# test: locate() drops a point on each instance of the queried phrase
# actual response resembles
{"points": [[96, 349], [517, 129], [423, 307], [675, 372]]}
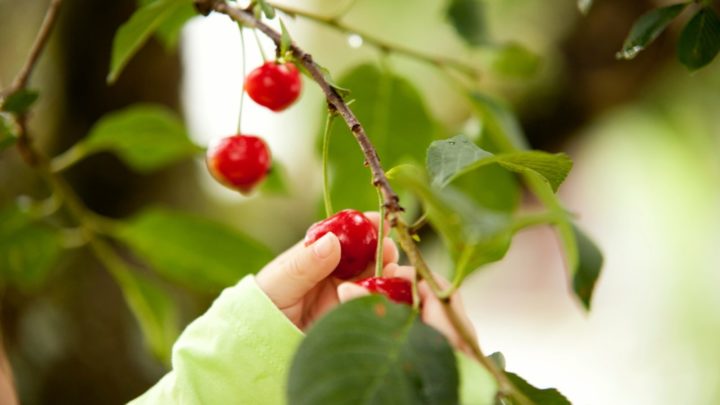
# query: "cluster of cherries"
{"points": [[241, 162]]}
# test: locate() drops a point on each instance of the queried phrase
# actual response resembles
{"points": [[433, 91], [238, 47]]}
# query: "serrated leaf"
{"points": [[28, 249], [468, 19], [394, 359], [514, 60], [7, 136], [152, 307], [133, 34], [584, 5], [473, 234], [647, 28], [590, 262], [285, 40], [451, 158], [276, 182], [553, 168], [19, 101], [147, 137], [397, 123], [699, 41], [194, 251], [547, 396]]}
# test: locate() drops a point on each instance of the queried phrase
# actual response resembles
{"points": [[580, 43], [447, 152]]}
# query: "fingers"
{"points": [[288, 278], [394, 270], [348, 291]]}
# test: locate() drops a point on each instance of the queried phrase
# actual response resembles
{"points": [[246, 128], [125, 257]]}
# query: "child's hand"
{"points": [[431, 310], [297, 281]]}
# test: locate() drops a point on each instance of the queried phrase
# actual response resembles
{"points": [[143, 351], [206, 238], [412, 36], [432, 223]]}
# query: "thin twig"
{"points": [[23, 75], [24, 142], [337, 24]]}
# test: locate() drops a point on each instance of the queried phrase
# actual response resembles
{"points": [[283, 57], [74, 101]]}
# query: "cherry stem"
{"points": [[381, 235], [242, 82], [260, 47], [325, 158]]}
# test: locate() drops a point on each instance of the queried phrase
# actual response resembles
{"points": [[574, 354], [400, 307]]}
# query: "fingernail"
{"points": [[324, 246]]}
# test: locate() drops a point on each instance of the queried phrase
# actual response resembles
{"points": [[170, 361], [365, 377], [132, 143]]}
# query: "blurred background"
{"points": [[644, 135]]}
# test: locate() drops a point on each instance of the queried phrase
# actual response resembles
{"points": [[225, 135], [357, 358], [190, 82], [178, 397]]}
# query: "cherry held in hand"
{"points": [[274, 85], [396, 288], [358, 241], [240, 162]]}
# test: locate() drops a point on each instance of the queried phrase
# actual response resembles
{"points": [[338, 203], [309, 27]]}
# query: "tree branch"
{"points": [[24, 142], [391, 202], [43, 34]]}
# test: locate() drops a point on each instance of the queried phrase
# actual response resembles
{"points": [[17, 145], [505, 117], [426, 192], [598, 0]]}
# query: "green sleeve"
{"points": [[239, 352]]}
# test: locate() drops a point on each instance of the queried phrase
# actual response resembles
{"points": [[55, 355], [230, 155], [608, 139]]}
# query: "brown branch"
{"points": [[336, 102], [43, 34], [24, 142]]}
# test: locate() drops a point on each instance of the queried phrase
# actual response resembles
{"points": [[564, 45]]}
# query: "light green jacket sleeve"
{"points": [[239, 352]]}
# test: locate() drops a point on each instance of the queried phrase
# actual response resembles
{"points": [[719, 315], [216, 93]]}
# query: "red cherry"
{"points": [[396, 288], [274, 85], [239, 162], [358, 241]]}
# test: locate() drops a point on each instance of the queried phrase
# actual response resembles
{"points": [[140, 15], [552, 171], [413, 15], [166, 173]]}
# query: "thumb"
{"points": [[287, 279], [349, 291]]}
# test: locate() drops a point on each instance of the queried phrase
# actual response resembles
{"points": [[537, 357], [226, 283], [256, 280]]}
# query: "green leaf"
{"points": [[548, 396], [19, 101], [513, 60], [700, 39], [28, 249], [503, 130], [371, 351], [474, 235], [647, 28], [133, 34], [584, 5], [590, 261], [168, 33], [153, 308], [266, 8], [341, 91], [196, 252], [285, 40], [397, 123], [145, 136], [451, 158], [500, 124], [468, 19], [7, 135], [276, 182]]}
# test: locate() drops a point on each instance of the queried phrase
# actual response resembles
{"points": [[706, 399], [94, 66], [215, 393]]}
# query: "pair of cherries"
{"points": [[358, 242], [240, 161]]}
